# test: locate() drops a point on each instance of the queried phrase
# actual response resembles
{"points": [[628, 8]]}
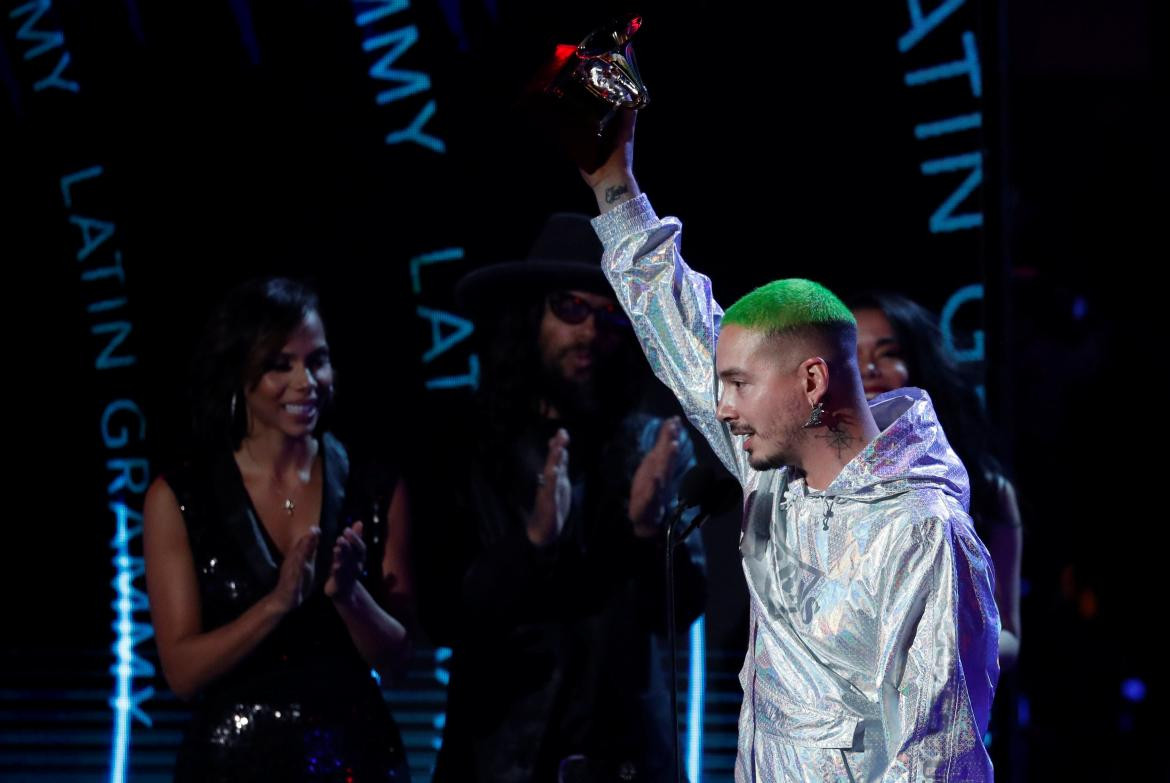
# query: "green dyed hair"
{"points": [[790, 306]]}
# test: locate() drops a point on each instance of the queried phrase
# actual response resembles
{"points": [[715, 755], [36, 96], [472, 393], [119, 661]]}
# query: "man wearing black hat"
{"points": [[555, 597]]}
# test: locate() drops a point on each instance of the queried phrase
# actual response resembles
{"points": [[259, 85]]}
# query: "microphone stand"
{"points": [[671, 631]]}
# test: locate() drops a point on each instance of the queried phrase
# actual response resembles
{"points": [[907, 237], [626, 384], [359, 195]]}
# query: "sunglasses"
{"points": [[574, 310]]}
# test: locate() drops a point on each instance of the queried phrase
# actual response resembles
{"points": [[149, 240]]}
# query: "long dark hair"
{"points": [[253, 322], [956, 403], [514, 380]]}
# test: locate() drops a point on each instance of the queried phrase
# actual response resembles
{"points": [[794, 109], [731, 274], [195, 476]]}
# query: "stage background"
{"points": [[998, 161]]}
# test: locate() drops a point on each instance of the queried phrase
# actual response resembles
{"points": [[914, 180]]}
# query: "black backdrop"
{"points": [[197, 147]]}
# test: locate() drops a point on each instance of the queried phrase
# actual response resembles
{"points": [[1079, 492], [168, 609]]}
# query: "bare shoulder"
{"points": [[160, 498], [162, 515]]}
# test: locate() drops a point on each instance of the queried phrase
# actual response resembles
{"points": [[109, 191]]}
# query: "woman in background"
{"points": [[269, 608]]}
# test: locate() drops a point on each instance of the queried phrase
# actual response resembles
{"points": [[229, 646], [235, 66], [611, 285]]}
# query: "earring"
{"points": [[232, 407], [814, 418]]}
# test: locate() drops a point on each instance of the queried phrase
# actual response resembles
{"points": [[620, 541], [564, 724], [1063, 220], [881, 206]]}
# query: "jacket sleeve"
{"points": [[674, 315], [937, 648]]}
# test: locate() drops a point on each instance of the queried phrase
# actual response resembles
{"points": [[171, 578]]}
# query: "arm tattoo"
{"points": [[615, 193]]}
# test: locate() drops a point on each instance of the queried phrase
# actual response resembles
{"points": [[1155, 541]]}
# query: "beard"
{"points": [[774, 461], [785, 448], [572, 398], [762, 464], [607, 392]]}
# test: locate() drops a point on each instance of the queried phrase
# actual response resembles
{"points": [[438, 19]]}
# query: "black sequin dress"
{"points": [[303, 706]]}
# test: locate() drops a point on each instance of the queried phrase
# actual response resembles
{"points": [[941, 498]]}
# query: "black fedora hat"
{"points": [[566, 256]]}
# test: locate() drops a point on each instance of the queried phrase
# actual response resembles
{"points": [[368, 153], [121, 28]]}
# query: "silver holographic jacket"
{"points": [[874, 630]]}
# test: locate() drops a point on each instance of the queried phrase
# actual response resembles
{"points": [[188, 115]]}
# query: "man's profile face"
{"points": [[761, 397]]}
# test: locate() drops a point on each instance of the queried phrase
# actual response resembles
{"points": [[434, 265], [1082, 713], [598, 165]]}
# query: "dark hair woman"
{"points": [[269, 607]]}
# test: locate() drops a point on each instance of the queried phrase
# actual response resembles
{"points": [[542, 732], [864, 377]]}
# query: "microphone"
{"points": [[709, 489]]}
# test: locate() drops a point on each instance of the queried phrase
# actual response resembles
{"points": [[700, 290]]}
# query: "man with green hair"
{"points": [[873, 646]]}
